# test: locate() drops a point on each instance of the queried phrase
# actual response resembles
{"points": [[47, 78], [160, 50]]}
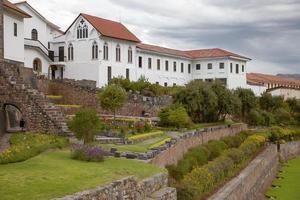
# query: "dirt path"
{"points": [[4, 142]]}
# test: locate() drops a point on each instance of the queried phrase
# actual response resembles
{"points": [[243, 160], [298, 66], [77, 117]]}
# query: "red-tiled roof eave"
{"points": [[14, 8], [271, 79]]}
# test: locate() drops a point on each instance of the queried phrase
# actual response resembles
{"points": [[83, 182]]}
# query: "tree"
{"points": [[112, 98], [86, 124], [269, 103], [174, 116], [247, 98]]}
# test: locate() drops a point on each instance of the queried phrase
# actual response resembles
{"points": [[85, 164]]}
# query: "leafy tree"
{"points": [[86, 124], [271, 103], [112, 98], [247, 98], [174, 116]]}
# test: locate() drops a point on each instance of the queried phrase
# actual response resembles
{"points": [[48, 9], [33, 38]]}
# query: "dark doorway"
{"points": [[2, 122], [61, 54], [12, 118]]}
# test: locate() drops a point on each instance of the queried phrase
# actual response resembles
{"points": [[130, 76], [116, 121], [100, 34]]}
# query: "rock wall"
{"points": [[85, 93], [39, 114], [129, 189], [177, 149], [254, 180], [1, 33]]}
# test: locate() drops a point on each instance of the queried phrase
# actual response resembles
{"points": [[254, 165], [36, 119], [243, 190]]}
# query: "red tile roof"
{"points": [[14, 8], [201, 53], [110, 28], [271, 79]]}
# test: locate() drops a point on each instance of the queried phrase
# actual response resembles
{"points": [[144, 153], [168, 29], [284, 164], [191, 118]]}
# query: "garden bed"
{"points": [[54, 174]]}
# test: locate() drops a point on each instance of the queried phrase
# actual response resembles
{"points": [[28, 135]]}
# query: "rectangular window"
{"points": [[158, 64], [118, 54], [129, 55], [157, 83], [140, 62], [166, 84], [231, 68], [222, 65], [182, 67], [127, 74], [174, 84], [108, 74], [105, 52], [15, 29], [167, 65], [243, 68], [189, 68], [149, 63], [209, 80], [237, 68], [209, 66], [174, 67], [198, 67]]}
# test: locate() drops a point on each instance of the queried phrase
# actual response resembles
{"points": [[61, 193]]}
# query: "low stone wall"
{"points": [[129, 189], [289, 150], [174, 150], [254, 180]]}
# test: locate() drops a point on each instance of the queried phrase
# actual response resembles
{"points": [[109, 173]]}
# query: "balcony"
{"points": [[59, 60], [40, 46]]}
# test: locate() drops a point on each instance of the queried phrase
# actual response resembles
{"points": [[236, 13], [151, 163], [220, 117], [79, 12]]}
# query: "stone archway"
{"points": [[12, 118], [37, 66]]}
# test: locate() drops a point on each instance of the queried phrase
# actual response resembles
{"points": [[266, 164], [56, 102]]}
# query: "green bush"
{"points": [[145, 136], [282, 116], [255, 117], [27, 145], [174, 116], [215, 147]]}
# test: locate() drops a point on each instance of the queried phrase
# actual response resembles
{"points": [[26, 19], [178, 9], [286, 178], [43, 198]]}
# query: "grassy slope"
{"points": [[54, 174], [138, 147], [290, 184]]}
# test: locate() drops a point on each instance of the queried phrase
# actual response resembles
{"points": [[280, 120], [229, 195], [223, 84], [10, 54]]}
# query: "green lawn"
{"points": [[139, 147], [54, 174], [289, 185], [206, 125]]}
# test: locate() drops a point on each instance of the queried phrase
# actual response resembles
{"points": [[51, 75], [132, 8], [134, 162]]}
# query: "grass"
{"points": [[145, 136], [54, 174], [54, 97], [206, 125], [288, 185], [139, 147], [69, 106]]}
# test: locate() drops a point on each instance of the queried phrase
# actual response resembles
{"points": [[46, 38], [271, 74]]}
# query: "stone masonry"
{"points": [[153, 188], [39, 114], [1, 33]]}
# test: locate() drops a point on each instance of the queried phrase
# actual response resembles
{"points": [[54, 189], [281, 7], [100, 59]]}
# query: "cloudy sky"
{"points": [[268, 31]]}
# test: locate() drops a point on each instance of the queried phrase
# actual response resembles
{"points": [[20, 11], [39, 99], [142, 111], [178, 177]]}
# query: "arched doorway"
{"points": [[13, 118], [37, 65]]}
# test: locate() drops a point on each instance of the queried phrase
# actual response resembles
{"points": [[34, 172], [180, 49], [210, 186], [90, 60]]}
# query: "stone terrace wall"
{"points": [[195, 138], [253, 181], [85, 93], [256, 177], [129, 189]]}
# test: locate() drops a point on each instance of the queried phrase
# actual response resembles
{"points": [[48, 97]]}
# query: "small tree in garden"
{"points": [[86, 124], [174, 115], [112, 98]]}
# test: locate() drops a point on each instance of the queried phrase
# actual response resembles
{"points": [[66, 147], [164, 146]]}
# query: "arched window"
{"points": [[34, 34], [95, 51], [129, 55], [82, 30], [105, 51], [70, 52], [118, 53], [37, 65]]}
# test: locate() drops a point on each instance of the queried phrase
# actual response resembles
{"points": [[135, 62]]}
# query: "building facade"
{"points": [[98, 49]]}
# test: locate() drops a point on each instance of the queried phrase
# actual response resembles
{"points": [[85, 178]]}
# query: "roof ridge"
{"points": [[110, 20]]}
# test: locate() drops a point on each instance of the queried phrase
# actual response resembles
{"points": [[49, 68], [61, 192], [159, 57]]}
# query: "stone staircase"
{"points": [[40, 114]]}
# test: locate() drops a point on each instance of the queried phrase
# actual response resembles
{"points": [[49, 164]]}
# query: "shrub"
{"points": [[235, 141], [215, 148], [174, 116], [282, 116], [255, 117], [86, 124], [88, 153], [27, 145], [236, 155]]}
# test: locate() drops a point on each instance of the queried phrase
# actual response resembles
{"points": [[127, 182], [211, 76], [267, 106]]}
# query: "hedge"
{"points": [[204, 179], [202, 154], [145, 136]]}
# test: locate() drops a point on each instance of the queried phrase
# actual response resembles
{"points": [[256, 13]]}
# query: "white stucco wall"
{"points": [[13, 45], [257, 89], [31, 54], [286, 93]]}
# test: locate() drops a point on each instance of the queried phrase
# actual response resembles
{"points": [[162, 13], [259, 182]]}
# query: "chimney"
{"points": [[1, 32]]}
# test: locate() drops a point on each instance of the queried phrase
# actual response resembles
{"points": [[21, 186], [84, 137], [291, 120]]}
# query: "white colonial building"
{"points": [[97, 49]]}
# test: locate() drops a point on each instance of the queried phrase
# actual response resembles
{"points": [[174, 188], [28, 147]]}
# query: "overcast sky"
{"points": [[268, 31]]}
